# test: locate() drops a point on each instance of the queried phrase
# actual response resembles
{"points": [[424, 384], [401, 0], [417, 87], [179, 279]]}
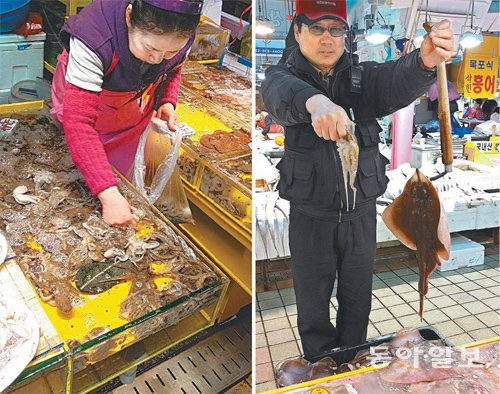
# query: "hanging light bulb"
{"points": [[263, 27], [378, 34], [470, 39]]}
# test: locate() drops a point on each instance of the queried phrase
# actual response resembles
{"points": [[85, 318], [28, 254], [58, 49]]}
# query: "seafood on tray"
{"points": [[219, 189], [68, 252], [19, 337], [299, 370], [240, 168], [412, 365], [225, 142], [221, 86]]}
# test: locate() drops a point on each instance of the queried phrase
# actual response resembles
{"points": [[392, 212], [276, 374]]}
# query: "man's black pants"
{"points": [[321, 249]]}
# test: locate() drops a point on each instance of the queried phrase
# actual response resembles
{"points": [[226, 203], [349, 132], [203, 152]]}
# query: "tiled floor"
{"points": [[463, 305]]}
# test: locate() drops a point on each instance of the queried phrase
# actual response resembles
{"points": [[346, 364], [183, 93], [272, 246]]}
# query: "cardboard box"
{"points": [[463, 253]]}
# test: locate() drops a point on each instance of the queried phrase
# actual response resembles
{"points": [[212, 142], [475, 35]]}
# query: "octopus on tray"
{"points": [[66, 250]]}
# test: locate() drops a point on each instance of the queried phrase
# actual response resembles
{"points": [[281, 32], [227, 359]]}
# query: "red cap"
{"points": [[316, 10]]}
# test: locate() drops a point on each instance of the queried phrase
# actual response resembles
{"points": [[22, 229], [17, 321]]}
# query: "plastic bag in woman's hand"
{"points": [[155, 173]]}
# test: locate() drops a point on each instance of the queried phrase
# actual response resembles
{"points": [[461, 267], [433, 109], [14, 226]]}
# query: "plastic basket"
{"points": [[12, 14]]}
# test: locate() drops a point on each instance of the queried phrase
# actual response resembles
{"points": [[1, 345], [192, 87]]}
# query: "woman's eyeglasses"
{"points": [[318, 30]]}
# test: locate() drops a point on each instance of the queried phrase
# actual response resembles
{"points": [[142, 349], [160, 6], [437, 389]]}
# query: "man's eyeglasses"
{"points": [[335, 31]]}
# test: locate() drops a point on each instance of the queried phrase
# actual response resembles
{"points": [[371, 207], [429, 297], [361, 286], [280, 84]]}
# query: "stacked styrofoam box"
{"points": [[488, 214], [463, 253], [424, 154], [20, 59], [462, 220]]}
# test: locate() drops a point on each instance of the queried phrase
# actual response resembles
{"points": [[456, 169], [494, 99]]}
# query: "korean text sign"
{"points": [[480, 76]]}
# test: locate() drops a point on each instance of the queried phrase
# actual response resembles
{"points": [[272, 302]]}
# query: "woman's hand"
{"points": [[115, 208], [167, 113]]}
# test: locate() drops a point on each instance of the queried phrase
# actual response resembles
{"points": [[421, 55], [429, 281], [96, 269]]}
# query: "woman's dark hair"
{"points": [[478, 101], [489, 107], [158, 21]]}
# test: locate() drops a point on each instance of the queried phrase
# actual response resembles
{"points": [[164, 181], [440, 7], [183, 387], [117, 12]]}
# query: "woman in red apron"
{"points": [[121, 65]]}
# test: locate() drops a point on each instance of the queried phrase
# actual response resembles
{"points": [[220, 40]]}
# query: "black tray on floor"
{"points": [[347, 353]]}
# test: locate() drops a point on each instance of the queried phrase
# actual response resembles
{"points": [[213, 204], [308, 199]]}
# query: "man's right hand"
{"points": [[115, 208], [329, 120]]}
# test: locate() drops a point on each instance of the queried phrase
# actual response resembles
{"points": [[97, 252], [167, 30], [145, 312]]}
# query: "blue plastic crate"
{"points": [[13, 13]]}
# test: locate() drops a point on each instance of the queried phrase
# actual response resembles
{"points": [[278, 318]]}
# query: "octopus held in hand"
{"points": [[349, 151]]}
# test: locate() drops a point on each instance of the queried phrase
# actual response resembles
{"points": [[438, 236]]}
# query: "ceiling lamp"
{"points": [[263, 27], [470, 39], [378, 34]]}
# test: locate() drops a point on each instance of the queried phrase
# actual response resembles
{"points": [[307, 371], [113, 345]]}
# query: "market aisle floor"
{"points": [[463, 305]]}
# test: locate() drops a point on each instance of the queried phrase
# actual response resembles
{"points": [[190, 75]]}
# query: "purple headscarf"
{"points": [[181, 6]]}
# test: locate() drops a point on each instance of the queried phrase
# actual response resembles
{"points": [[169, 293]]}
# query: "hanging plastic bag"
{"points": [[156, 174]]}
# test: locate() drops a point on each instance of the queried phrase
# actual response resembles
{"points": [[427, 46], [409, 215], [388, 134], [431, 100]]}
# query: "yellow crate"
{"points": [[188, 164], [234, 197], [230, 206]]}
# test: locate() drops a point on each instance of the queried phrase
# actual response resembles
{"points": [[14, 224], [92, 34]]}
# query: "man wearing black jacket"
{"points": [[315, 95]]}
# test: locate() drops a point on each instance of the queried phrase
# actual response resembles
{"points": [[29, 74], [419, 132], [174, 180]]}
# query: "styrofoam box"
{"points": [[20, 58], [488, 215], [4, 96], [463, 253], [462, 220], [424, 154]]}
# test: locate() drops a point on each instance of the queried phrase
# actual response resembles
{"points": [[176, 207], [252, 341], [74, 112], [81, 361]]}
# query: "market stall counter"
{"points": [[216, 169], [115, 297]]}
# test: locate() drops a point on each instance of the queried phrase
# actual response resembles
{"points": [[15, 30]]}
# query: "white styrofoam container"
{"points": [[4, 96], [421, 155], [488, 215], [463, 253], [462, 220], [20, 58]]}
